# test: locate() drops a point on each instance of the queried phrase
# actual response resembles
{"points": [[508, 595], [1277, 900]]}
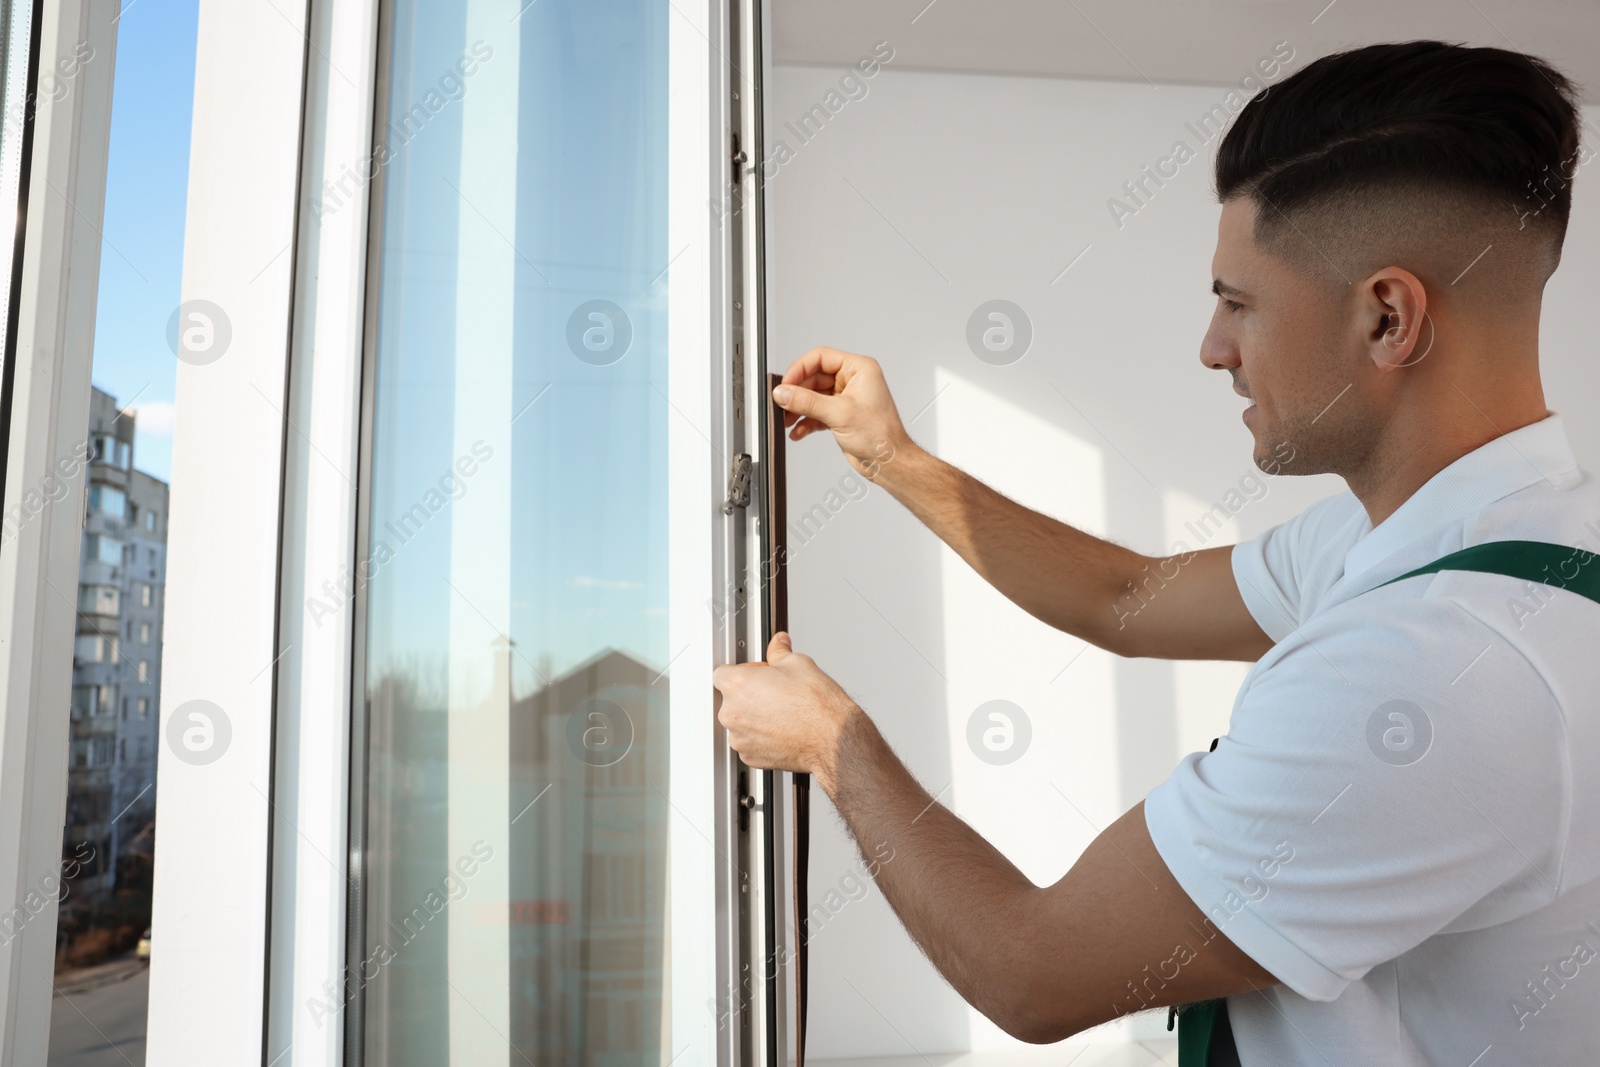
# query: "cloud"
{"points": [[153, 417], [583, 581]]}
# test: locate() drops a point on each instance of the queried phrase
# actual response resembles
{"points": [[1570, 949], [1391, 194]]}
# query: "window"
{"points": [[109, 450], [95, 648], [144, 633], [144, 595], [108, 500], [151, 553], [144, 707], [144, 670], [103, 549], [122, 750], [90, 700], [124, 708], [567, 696], [149, 520], [91, 753], [99, 599]]}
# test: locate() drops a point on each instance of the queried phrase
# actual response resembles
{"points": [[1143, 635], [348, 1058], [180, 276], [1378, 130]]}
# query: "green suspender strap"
{"points": [[1561, 566], [1205, 1038], [1201, 1041]]}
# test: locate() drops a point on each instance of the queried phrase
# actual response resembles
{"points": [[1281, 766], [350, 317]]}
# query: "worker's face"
{"points": [[1281, 334]]}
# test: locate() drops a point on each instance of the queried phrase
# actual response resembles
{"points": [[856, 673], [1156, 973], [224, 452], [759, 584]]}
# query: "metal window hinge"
{"points": [[738, 484]]}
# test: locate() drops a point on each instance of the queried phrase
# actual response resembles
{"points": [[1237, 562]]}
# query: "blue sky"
{"points": [[141, 259], [586, 467], [594, 579]]}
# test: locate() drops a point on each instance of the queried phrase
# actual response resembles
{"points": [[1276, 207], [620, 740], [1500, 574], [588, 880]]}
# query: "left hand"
{"points": [[784, 714]]}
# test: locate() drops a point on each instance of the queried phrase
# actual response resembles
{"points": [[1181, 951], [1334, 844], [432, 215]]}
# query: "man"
{"points": [[1391, 857]]}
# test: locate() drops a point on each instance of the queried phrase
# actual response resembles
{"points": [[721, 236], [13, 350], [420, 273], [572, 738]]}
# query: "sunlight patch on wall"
{"points": [[1049, 750]]}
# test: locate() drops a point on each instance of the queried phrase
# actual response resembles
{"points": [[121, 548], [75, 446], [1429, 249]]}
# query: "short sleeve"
{"points": [[1277, 570], [1368, 795]]}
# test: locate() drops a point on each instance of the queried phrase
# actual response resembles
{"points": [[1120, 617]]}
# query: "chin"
{"points": [[1260, 451]]}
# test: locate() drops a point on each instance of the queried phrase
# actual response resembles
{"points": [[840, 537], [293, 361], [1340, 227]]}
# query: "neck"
{"points": [[1447, 418]]}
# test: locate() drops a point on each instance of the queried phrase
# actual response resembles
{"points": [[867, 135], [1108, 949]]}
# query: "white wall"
{"points": [[915, 203]]}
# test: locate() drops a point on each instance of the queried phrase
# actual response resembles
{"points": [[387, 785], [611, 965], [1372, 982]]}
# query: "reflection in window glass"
{"points": [[516, 776]]}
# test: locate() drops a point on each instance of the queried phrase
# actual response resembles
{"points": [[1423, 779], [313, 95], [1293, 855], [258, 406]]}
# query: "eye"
{"points": [[1231, 305]]}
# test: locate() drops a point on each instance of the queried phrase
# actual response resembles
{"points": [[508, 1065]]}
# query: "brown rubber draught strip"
{"points": [[778, 620]]}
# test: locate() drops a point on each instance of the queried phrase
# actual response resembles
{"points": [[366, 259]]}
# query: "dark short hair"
{"points": [[1494, 125]]}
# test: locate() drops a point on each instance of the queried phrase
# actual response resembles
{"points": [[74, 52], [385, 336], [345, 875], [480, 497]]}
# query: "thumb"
{"points": [[801, 401], [779, 648]]}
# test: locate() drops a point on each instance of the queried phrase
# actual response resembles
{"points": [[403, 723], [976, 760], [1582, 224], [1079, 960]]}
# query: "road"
{"points": [[103, 1025]]}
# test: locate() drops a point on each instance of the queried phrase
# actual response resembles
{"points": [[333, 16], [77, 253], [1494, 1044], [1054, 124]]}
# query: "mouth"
{"points": [[1249, 410]]}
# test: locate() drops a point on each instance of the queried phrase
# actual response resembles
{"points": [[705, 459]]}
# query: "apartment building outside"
{"points": [[116, 675]]}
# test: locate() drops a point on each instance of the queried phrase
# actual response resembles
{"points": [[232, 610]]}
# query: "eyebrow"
{"points": [[1222, 288]]}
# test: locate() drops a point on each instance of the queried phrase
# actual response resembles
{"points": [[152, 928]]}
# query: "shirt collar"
{"points": [[1536, 452]]}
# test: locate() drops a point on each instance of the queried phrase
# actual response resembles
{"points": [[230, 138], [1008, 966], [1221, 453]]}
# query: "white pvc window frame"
{"points": [[209, 923], [253, 866], [53, 318]]}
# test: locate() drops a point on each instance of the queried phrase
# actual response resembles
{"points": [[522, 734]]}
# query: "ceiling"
{"points": [[1203, 42]]}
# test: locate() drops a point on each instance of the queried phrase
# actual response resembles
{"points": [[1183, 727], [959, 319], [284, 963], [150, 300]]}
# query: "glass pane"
{"points": [[515, 852], [16, 27]]}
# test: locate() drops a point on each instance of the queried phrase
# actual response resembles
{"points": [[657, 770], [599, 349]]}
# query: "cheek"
{"points": [[1246, 350], [1267, 355]]}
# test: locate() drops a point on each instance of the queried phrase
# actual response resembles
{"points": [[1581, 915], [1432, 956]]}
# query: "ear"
{"points": [[1394, 317]]}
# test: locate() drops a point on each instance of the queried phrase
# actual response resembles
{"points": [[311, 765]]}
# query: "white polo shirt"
{"points": [[1402, 823]]}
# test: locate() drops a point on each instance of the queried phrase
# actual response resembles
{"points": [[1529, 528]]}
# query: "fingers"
{"points": [[779, 648], [819, 361], [804, 427], [822, 384], [819, 383], [728, 676], [798, 400]]}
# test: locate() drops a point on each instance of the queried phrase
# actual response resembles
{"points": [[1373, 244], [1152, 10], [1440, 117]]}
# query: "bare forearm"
{"points": [[1074, 581], [1042, 962], [966, 906], [1069, 579]]}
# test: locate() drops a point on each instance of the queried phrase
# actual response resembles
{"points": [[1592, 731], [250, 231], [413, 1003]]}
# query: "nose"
{"points": [[1218, 350]]}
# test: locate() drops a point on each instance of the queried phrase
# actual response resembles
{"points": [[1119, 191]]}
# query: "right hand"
{"points": [[847, 394]]}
